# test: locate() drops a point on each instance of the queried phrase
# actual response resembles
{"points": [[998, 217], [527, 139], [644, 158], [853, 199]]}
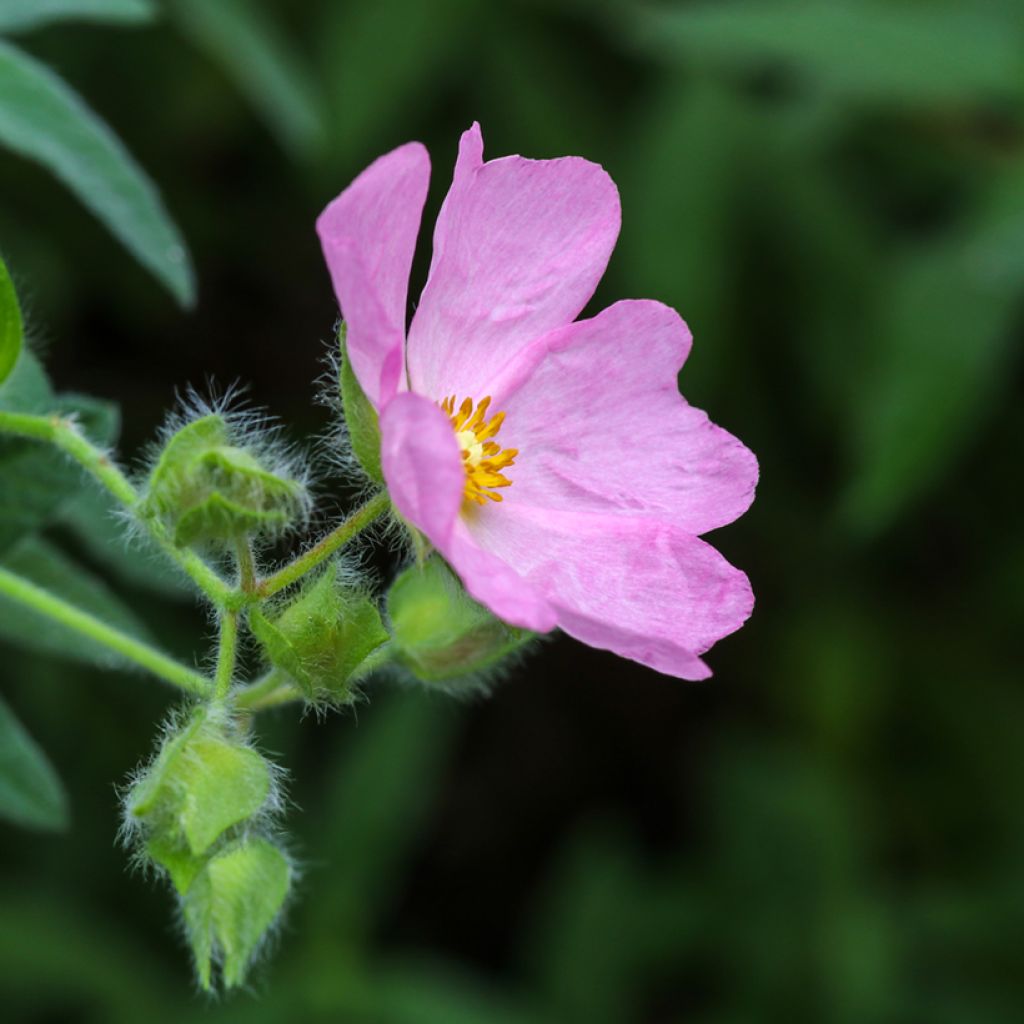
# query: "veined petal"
{"points": [[519, 248], [636, 586], [596, 415], [368, 234]]}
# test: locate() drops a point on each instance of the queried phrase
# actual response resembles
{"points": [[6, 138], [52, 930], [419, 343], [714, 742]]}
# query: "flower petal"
{"points": [[595, 412], [519, 248], [368, 234], [423, 468], [642, 588]]}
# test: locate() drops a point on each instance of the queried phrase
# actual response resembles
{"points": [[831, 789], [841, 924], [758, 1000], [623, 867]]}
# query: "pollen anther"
{"points": [[483, 458]]}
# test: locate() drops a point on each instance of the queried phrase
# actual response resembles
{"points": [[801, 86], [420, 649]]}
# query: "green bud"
{"points": [[324, 638], [360, 417], [202, 783], [231, 905], [207, 489], [440, 633]]}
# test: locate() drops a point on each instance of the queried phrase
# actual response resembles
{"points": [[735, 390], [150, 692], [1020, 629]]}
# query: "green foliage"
{"points": [[36, 481], [360, 416], [207, 489], [440, 633], [42, 563], [253, 51], [231, 905], [30, 791], [902, 52], [43, 119], [25, 15], [324, 639], [10, 324]]}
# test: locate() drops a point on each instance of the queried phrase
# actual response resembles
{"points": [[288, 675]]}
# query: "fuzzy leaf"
{"points": [[25, 15], [31, 794], [10, 324], [45, 565], [247, 43], [360, 417], [323, 638], [231, 905], [43, 119], [439, 631]]}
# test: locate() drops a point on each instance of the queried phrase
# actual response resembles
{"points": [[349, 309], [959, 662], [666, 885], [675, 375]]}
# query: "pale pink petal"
{"points": [[595, 412], [423, 469], [642, 588], [368, 234], [520, 247]]}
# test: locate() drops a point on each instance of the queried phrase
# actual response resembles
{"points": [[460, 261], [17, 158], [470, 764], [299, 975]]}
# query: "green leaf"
{"points": [[43, 119], [885, 53], [232, 904], [48, 567], [253, 51], [440, 632], [10, 324], [323, 638], [360, 417], [31, 794], [25, 15]]}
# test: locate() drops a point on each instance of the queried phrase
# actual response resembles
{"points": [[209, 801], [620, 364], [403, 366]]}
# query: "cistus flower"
{"points": [[552, 462]]}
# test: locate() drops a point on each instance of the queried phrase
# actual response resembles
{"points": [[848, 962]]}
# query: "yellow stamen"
{"points": [[483, 458]]}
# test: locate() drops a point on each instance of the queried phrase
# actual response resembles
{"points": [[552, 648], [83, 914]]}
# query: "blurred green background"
{"points": [[830, 830]]}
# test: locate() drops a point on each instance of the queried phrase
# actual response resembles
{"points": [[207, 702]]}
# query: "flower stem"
{"points": [[310, 559], [59, 610], [63, 433], [226, 654]]}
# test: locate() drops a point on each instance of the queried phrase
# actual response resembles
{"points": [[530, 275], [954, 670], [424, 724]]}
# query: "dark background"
{"points": [[830, 829]]}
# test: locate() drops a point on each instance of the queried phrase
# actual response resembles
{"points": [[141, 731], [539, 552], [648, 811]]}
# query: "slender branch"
{"points": [[310, 559], [64, 434], [137, 651], [226, 654]]}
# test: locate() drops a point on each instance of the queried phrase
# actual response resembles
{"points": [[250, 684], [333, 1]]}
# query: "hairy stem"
{"points": [[64, 434], [273, 689], [246, 565], [137, 651], [226, 653], [322, 550]]}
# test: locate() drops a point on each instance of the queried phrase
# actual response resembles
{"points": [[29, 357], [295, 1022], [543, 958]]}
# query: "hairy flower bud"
{"points": [[324, 639], [440, 633], [198, 811], [207, 488]]}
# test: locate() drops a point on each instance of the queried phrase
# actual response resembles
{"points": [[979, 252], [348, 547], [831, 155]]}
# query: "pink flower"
{"points": [[580, 503]]}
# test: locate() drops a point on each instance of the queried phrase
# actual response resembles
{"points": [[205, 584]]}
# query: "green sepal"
{"points": [[202, 783], [440, 633], [231, 904], [177, 860], [208, 489], [360, 416], [324, 638]]}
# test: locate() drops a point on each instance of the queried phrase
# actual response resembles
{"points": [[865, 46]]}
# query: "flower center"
{"points": [[483, 458]]}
